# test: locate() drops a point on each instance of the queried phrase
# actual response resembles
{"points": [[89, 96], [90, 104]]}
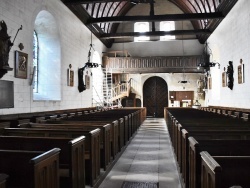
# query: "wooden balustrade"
{"points": [[153, 64]]}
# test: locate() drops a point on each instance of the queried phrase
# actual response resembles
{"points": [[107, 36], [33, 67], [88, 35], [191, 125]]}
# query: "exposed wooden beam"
{"points": [[86, 1], [128, 40], [102, 1], [156, 33], [155, 18]]}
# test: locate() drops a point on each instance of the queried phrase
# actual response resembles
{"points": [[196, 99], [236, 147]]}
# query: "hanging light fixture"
{"points": [[184, 80], [90, 64], [207, 52], [205, 60]]}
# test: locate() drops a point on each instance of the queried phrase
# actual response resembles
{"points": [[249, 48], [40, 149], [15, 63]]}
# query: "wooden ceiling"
{"points": [[103, 17]]}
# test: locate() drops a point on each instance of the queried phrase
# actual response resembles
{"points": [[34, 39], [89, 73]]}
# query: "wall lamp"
{"points": [[208, 65]]}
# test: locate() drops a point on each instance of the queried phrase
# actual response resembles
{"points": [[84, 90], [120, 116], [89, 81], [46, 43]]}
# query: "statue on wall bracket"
{"points": [[230, 75], [5, 46]]}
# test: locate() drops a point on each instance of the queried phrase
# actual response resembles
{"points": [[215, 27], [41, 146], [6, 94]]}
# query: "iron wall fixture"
{"points": [[208, 65]]}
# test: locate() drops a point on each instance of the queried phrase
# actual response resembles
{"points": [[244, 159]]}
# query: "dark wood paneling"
{"points": [[182, 95]]}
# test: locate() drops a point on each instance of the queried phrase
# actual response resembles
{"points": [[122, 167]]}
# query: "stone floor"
{"points": [[147, 162]]}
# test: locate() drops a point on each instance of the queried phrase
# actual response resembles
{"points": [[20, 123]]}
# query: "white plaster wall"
{"points": [[74, 38], [160, 48], [230, 42]]}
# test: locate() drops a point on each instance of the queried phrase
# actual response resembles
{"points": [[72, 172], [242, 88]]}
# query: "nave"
{"points": [[148, 160]]}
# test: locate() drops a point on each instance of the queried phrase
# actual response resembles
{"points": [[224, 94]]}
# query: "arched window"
{"points": [[167, 26], [141, 27], [35, 61], [47, 54]]}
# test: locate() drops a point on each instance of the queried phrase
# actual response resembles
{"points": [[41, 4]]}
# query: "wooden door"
{"points": [[155, 96]]}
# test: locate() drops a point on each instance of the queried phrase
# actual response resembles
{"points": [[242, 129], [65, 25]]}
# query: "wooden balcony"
{"points": [[173, 64]]}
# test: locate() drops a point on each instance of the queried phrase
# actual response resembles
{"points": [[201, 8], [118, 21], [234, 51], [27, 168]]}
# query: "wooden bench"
{"points": [[14, 122], [203, 123], [207, 125], [224, 171], [135, 116], [105, 133], [4, 125], [120, 127], [202, 127], [71, 160], [31, 169], [215, 148], [236, 114], [92, 145], [208, 135], [245, 116], [114, 129], [126, 125], [3, 179]]}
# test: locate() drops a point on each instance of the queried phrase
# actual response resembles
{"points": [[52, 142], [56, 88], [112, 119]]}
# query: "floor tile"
{"points": [[148, 158]]}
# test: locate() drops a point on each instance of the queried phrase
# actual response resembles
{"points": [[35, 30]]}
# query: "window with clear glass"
{"points": [[167, 26], [46, 58], [35, 62], [141, 27]]}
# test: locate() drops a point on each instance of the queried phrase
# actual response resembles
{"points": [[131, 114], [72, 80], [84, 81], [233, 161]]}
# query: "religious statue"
{"points": [[5, 46], [230, 75]]}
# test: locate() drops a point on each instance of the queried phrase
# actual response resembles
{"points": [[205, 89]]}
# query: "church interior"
{"points": [[131, 93]]}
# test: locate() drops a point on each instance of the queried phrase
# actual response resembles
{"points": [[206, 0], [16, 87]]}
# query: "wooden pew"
{"points": [[245, 116], [115, 129], [135, 117], [3, 179], [105, 133], [201, 126], [71, 159], [125, 129], [31, 169], [224, 171], [203, 121], [209, 135], [92, 145], [118, 128], [215, 148], [236, 114], [14, 122], [4, 125]]}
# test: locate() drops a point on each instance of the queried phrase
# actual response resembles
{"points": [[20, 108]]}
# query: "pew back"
{"points": [[31, 169], [92, 145], [71, 158], [220, 171]]}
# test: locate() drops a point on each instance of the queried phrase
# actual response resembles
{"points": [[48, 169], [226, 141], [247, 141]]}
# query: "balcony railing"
{"points": [[173, 64]]}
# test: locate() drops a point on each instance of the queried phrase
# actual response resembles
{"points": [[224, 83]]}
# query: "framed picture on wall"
{"points": [[241, 73], [209, 83], [224, 79], [21, 64], [87, 81]]}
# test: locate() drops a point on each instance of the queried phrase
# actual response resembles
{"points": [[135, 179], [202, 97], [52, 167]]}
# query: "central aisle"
{"points": [[148, 160]]}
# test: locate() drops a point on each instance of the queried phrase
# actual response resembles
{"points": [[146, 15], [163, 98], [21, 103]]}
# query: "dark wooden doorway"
{"points": [[155, 96]]}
